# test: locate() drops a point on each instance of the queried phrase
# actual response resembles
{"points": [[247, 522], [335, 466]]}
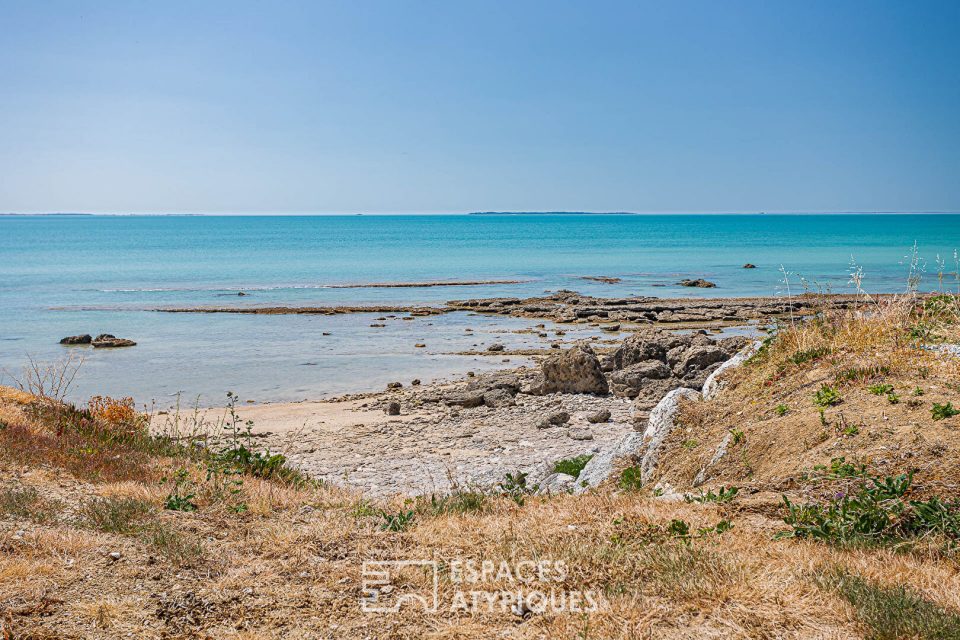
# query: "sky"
{"points": [[431, 107]]}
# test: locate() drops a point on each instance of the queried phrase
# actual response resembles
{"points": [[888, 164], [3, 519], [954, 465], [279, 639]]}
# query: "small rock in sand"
{"points": [[393, 409], [600, 416], [580, 433], [555, 419], [415, 382], [394, 385], [496, 347]]}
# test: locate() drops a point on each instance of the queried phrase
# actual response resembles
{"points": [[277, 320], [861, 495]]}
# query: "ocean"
{"points": [[64, 275]]}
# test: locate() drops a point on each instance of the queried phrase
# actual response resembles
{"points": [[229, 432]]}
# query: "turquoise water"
{"points": [[63, 275]]}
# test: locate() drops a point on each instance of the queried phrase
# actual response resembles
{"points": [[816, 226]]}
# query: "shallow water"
{"points": [[65, 275]]}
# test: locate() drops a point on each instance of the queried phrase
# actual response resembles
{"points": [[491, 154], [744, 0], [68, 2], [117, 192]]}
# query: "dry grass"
{"points": [[263, 558]]}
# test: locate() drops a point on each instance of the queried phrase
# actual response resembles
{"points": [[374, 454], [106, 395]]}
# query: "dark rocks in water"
{"points": [[82, 339], [496, 347], [393, 408], [109, 341], [394, 385], [420, 345], [555, 419], [699, 282], [600, 416], [241, 293], [378, 325], [612, 328], [603, 279], [325, 333], [749, 266], [575, 370]]}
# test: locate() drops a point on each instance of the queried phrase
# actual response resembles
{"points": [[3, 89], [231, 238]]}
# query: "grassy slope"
{"points": [[279, 558]]}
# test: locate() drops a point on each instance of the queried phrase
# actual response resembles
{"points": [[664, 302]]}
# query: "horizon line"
{"points": [[460, 213]]}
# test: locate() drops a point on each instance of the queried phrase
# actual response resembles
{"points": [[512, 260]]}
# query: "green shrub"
{"points": [[781, 410], [880, 389], [572, 466], [876, 512], [944, 411], [827, 396], [631, 479]]}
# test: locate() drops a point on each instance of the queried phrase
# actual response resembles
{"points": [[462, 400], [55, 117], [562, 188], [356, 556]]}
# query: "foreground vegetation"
{"points": [[833, 514]]}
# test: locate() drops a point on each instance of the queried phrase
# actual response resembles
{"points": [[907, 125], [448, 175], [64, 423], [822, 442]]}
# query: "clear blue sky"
{"points": [[413, 106]]}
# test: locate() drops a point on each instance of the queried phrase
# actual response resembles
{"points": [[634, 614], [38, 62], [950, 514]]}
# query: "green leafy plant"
{"points": [[723, 496], [880, 389], [515, 487], [180, 497], [399, 521], [631, 479], [841, 469], [944, 411], [737, 436], [808, 355], [827, 396], [781, 410], [876, 512], [572, 466]]}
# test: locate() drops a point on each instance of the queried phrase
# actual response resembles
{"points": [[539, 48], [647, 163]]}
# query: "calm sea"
{"points": [[62, 275]]}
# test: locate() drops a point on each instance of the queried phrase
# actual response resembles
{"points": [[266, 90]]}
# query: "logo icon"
{"points": [[380, 591]]}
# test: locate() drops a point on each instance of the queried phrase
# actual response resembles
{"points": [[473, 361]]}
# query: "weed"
{"points": [[781, 410], [27, 503], [180, 497], [893, 612], [178, 549], [875, 512], [458, 502], [631, 479], [841, 469], [808, 355], [399, 521], [857, 374], [720, 528], [737, 436], [880, 389], [572, 466], [725, 495], [944, 411], [515, 486], [690, 444], [893, 398], [827, 396], [917, 392], [115, 515]]}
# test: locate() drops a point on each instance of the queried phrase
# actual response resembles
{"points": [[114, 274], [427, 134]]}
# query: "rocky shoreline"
{"points": [[572, 307], [421, 439]]}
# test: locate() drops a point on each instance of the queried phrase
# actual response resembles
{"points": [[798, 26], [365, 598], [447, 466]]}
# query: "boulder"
{"points": [[712, 384], [627, 382], [556, 483], [496, 347], [699, 282], [108, 341], [659, 426], [467, 399], [600, 416], [580, 433], [82, 339], [749, 266], [640, 347], [697, 361], [575, 370], [555, 419], [651, 391], [498, 398], [394, 385], [393, 409]]}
